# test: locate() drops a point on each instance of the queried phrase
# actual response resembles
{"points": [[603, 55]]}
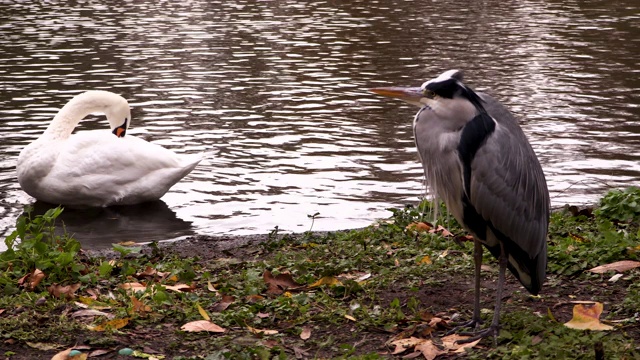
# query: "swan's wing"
{"points": [[96, 164]]}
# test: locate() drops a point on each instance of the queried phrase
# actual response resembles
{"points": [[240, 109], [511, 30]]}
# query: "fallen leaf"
{"points": [[262, 315], [202, 312], [252, 299], [211, 288], [419, 227], [536, 340], [619, 266], [179, 287], [224, 303], [451, 343], [615, 277], [127, 243], [31, 280], [279, 283], [587, 317], [43, 346], [99, 352], [63, 291], [442, 230], [426, 260], [578, 238], [2, 310], [402, 345], [81, 356], [63, 355], [202, 325], [326, 280], [135, 286], [306, 333], [91, 312], [111, 324], [139, 308], [151, 272], [429, 350], [349, 317], [93, 293], [262, 331]]}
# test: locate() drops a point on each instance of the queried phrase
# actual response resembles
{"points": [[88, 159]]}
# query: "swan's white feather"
{"points": [[97, 168]]}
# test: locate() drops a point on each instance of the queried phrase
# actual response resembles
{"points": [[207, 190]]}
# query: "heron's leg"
{"points": [[477, 259], [475, 319], [494, 328]]}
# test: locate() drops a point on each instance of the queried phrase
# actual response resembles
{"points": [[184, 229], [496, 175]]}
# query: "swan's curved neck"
{"points": [[77, 109]]}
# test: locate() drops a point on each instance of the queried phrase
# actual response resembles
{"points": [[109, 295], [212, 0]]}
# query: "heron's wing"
{"points": [[507, 185]]}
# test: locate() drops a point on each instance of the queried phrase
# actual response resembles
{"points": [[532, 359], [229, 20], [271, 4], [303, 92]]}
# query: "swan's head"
{"points": [[118, 112]]}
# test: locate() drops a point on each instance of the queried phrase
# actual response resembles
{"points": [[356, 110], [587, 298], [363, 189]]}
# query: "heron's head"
{"points": [[445, 98]]}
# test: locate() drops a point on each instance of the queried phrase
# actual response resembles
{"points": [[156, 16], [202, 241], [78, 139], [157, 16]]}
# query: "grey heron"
{"points": [[477, 159]]}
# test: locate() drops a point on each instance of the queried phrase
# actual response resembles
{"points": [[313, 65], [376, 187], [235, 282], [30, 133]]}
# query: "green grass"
{"points": [[401, 264]]}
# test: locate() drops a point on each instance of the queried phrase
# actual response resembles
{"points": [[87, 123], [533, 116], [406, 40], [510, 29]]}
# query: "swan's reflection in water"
{"points": [[98, 228]]}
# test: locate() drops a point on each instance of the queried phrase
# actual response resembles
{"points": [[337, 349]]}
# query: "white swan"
{"points": [[98, 168]]}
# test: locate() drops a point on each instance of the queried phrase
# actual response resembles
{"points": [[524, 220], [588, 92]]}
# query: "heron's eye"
{"points": [[428, 93]]}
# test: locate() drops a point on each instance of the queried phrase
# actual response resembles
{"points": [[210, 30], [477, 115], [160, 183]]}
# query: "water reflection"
{"points": [[276, 92], [99, 228]]}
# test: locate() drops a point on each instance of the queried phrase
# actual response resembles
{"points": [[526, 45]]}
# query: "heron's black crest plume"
{"points": [[453, 86]]}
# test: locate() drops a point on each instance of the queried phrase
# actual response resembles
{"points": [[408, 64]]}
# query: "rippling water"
{"points": [[277, 90]]}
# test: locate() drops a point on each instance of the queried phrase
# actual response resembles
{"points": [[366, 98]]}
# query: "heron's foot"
{"points": [[492, 330], [471, 324]]}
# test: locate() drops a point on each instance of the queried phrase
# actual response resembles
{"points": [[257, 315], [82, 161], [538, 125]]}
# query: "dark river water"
{"points": [[277, 92]]}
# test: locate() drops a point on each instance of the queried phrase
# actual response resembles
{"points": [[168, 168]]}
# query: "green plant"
{"points": [[620, 206], [34, 244]]}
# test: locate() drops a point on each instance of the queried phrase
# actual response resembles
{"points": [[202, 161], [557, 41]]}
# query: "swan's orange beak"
{"points": [[121, 130]]}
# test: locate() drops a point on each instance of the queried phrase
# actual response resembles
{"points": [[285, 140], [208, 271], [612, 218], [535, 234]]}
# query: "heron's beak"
{"points": [[412, 95]]}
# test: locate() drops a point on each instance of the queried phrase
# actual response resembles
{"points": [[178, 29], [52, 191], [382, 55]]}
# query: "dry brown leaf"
{"points": [[127, 243], [451, 343], [135, 286], [326, 280], [151, 272], [202, 325], [81, 356], [62, 355], [587, 317], [93, 293], [402, 345], [139, 308], [211, 288], [2, 310], [262, 331], [111, 324], [306, 333], [31, 280], [223, 304], [619, 266], [99, 352], [252, 299], [419, 227], [67, 291], [179, 287], [442, 230], [279, 283], [91, 312], [429, 350]]}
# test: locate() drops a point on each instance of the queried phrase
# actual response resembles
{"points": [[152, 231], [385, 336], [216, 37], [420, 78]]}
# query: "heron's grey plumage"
{"points": [[477, 159]]}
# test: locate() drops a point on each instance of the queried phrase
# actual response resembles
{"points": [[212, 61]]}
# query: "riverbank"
{"points": [[390, 290]]}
